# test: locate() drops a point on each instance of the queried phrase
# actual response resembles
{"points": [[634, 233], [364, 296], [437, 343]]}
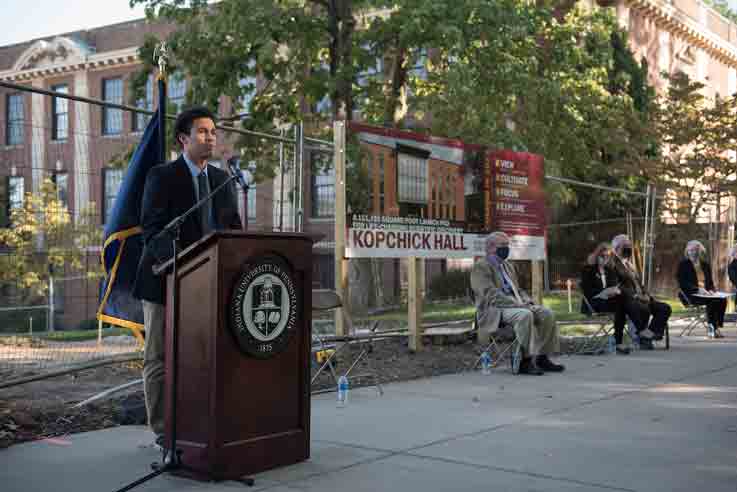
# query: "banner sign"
{"points": [[518, 198], [438, 198], [398, 237]]}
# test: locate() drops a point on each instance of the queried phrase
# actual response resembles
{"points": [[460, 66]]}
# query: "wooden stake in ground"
{"points": [[414, 304], [341, 265]]}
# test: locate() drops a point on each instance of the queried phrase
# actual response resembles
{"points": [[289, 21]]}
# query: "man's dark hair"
{"points": [[187, 117]]}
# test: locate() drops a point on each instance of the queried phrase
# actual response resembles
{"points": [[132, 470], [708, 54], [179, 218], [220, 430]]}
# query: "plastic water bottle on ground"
{"points": [[611, 344], [485, 363], [342, 391]]}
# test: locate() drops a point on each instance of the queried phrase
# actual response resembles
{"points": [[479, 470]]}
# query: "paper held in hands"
{"points": [[607, 293], [714, 295]]}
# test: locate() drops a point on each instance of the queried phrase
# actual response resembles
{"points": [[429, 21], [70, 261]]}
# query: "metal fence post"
{"points": [[50, 320]]}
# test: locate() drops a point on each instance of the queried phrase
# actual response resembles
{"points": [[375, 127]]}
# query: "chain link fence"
{"points": [[62, 161]]}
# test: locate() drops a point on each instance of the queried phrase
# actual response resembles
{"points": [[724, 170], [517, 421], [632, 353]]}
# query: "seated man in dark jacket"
{"points": [[600, 285], [632, 288], [694, 278]]}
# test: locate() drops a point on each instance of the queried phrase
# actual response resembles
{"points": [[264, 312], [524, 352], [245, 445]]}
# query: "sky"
{"points": [[30, 19]]}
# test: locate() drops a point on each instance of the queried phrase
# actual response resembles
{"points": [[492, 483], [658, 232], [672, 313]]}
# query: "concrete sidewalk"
{"points": [[651, 421]]}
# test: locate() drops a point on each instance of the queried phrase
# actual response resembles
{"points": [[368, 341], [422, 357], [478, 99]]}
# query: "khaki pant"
{"points": [[535, 328], [153, 365]]}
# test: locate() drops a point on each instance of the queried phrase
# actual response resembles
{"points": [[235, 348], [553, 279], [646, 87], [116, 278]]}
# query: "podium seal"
{"points": [[263, 311]]}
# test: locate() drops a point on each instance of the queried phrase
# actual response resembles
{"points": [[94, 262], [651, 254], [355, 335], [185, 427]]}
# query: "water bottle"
{"points": [[485, 363], [342, 391], [612, 344]]}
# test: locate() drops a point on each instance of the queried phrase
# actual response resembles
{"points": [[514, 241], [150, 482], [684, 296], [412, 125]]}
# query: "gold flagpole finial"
{"points": [[161, 57]]}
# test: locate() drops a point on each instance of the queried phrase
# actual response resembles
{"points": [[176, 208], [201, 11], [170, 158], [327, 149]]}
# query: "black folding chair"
{"points": [[596, 343], [695, 315]]}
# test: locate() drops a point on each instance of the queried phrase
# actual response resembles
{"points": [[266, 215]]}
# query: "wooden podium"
{"points": [[243, 393]]}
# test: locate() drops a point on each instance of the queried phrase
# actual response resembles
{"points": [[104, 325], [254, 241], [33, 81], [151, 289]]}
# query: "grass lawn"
{"points": [[454, 311]]}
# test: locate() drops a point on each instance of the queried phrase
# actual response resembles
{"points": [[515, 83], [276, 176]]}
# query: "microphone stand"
{"points": [[172, 458]]}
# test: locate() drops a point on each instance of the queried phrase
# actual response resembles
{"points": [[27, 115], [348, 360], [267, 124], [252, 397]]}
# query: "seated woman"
{"points": [[732, 268], [694, 277], [600, 288]]}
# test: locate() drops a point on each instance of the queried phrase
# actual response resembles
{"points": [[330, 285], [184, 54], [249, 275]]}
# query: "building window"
{"points": [[252, 202], [60, 113], [112, 118], [111, 183], [412, 186], [323, 106], [323, 191], [374, 70], [61, 180], [4, 203], [248, 86], [177, 90], [146, 102], [14, 119], [16, 192], [419, 69]]}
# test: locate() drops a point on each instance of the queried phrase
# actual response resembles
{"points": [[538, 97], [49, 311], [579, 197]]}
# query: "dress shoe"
{"points": [[646, 344], [527, 366], [622, 350], [547, 365], [647, 333]]}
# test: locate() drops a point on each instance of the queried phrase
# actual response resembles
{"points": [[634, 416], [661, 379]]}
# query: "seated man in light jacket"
{"points": [[499, 299]]}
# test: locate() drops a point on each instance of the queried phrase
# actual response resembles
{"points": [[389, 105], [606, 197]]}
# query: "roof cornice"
{"points": [[93, 61], [676, 21]]}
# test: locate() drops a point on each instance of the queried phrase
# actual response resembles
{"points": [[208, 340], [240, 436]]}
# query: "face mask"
{"points": [[502, 252], [626, 252], [602, 260]]}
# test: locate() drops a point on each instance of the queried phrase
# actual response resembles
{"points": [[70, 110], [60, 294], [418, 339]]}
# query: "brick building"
{"points": [[75, 143]]}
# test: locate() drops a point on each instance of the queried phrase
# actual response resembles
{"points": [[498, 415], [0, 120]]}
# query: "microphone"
{"points": [[235, 170]]}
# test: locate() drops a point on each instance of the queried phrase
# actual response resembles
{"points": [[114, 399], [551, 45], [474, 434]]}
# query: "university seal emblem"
{"points": [[263, 310]]}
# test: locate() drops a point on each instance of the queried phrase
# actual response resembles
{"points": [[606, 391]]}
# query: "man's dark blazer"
{"points": [[169, 192], [687, 279]]}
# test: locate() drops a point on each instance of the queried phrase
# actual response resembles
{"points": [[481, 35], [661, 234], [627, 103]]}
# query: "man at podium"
{"points": [[171, 189]]}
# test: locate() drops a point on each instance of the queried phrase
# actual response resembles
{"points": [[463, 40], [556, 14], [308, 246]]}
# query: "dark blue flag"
{"points": [[122, 239]]}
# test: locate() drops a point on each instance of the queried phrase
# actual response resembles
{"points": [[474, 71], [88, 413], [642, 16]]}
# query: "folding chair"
{"points": [[596, 343], [328, 300], [502, 344], [695, 315]]}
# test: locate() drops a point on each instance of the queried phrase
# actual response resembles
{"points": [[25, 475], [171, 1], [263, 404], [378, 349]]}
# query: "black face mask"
{"points": [[503, 252], [626, 252]]}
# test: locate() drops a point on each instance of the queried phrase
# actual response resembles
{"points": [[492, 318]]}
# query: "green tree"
{"points": [[44, 238], [693, 164]]}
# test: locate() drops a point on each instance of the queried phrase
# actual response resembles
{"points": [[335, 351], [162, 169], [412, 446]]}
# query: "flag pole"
{"points": [[161, 57]]}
